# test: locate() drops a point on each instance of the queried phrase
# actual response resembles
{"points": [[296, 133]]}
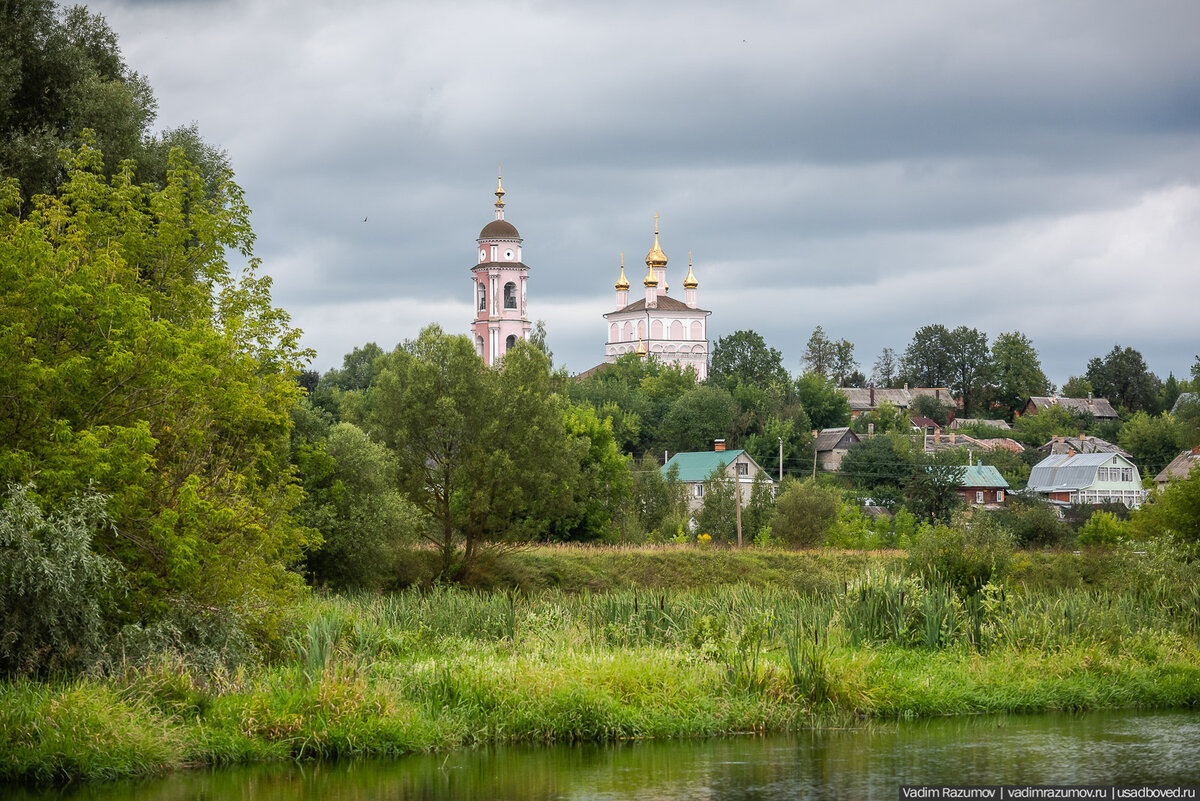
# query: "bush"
{"points": [[966, 554], [805, 512], [51, 585], [1104, 528], [1033, 523]]}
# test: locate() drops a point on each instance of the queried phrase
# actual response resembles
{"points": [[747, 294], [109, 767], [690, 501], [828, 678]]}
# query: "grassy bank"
{"points": [[758, 642]]}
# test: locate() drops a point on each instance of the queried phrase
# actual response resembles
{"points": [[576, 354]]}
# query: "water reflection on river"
{"points": [[871, 762]]}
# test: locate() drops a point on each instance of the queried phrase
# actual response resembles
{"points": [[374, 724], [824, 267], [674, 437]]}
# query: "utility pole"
{"points": [[780, 460]]}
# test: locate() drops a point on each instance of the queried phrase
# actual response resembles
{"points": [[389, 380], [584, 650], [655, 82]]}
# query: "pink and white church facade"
{"points": [[658, 325], [498, 288]]}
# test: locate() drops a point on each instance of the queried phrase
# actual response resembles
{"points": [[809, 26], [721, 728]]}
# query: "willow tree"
{"points": [[135, 363]]}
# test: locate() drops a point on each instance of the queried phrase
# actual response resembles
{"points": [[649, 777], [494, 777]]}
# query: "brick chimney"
{"points": [[718, 445]]}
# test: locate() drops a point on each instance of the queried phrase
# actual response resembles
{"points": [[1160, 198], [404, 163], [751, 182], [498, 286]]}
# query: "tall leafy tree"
{"points": [[482, 452], [1016, 372], [134, 363], [927, 361], [825, 405], [1152, 441], [970, 367], [886, 371], [745, 357], [698, 417], [819, 353], [61, 73], [1077, 387], [1123, 377]]}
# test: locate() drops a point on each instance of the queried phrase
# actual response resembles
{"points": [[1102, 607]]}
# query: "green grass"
{"points": [[771, 641]]}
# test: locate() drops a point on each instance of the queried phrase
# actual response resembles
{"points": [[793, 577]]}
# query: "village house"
{"points": [[1087, 478], [982, 485], [1179, 468], [867, 399], [695, 467], [832, 444], [1081, 444], [1098, 408]]}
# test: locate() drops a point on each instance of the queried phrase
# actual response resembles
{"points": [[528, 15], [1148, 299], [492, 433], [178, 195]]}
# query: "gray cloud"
{"points": [[870, 167]]}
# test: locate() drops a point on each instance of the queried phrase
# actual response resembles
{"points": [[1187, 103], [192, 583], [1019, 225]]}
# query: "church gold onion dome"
{"points": [[622, 282], [656, 257], [690, 282]]}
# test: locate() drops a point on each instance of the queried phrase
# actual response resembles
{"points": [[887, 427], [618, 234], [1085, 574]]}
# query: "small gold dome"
{"points": [[656, 257], [622, 282], [650, 279], [641, 349], [690, 282]]}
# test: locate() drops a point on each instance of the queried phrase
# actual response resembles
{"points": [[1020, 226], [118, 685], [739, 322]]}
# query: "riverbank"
{"points": [[835, 636]]}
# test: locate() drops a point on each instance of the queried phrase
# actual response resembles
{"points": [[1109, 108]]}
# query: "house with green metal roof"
{"points": [[695, 467], [982, 485]]}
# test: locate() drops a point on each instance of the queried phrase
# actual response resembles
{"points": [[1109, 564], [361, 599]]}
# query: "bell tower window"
{"points": [[510, 295], [510, 343], [482, 292]]}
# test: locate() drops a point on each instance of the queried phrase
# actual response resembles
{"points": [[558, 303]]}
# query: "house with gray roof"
{"points": [[1098, 408], [1081, 444], [866, 399], [832, 445], [1180, 467], [1087, 478], [694, 468]]}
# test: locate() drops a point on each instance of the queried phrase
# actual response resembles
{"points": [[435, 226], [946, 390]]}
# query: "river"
{"points": [[870, 762]]}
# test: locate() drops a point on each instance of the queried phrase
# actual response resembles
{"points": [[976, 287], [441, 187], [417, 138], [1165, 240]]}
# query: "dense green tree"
{"points": [[825, 406], [1173, 512], [1152, 441], [805, 512], [760, 508], [883, 418], [1035, 430], [61, 73], [845, 371], [932, 407], [932, 485], [135, 364], [970, 367], [744, 357], [880, 466], [1077, 387], [352, 499], [483, 452], [660, 500], [1123, 378], [602, 488], [927, 360], [698, 417], [717, 516], [1170, 393], [796, 434], [1016, 372]]}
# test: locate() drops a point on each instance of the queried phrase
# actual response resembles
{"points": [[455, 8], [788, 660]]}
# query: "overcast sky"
{"points": [[1025, 165]]}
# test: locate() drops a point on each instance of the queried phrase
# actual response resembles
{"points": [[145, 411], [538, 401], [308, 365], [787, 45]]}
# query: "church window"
{"points": [[676, 330], [656, 329], [479, 345], [510, 343], [510, 295], [697, 330], [612, 333], [482, 296]]}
